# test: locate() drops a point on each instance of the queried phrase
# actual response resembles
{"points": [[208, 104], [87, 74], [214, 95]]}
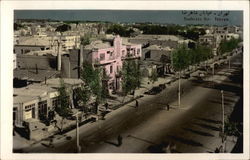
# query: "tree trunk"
{"points": [[179, 90], [61, 129]]}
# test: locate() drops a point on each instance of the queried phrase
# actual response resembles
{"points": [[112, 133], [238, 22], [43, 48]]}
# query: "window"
{"points": [[55, 102], [138, 51], [102, 56], [29, 107], [111, 69]]}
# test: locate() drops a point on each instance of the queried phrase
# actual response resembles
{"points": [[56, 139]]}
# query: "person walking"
{"points": [[168, 107], [119, 139], [136, 104], [106, 106]]}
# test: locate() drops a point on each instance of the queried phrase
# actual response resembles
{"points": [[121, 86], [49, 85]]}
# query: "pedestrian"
{"points": [[119, 139], [217, 150], [168, 107], [106, 106], [51, 143], [136, 104]]}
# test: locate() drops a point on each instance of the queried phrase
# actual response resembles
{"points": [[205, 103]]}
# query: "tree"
{"points": [[63, 109], [120, 30], [131, 77], [85, 40], [181, 59], [63, 28], [92, 79], [228, 45], [83, 95]]}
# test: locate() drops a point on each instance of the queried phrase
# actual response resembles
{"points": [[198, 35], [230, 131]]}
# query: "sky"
{"points": [[131, 16]]}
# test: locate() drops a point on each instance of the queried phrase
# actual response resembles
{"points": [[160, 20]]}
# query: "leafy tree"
{"points": [[63, 109], [131, 77], [181, 60], [17, 26], [63, 28], [231, 129], [83, 95], [228, 45], [121, 30], [92, 79], [85, 40]]}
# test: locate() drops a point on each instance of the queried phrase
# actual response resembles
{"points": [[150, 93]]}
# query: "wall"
{"points": [[30, 61], [18, 48]]}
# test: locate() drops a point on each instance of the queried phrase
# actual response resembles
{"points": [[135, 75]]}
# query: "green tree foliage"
{"points": [[202, 53], [63, 109], [120, 30], [131, 77], [63, 28], [228, 45], [231, 129], [83, 95], [181, 58], [17, 26], [92, 79], [190, 33], [85, 40]]}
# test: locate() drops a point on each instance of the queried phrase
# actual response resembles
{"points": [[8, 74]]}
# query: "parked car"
{"points": [[185, 76], [154, 91]]}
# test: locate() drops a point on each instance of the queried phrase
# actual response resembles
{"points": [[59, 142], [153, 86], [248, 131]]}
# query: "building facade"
{"points": [[110, 59]]}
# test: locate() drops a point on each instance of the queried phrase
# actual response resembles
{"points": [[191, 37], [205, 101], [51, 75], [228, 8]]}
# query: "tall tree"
{"points": [[63, 109], [63, 28], [92, 78], [181, 60], [131, 77]]}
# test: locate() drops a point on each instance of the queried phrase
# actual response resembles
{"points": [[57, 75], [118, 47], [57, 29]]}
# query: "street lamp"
{"points": [[77, 133], [222, 105]]}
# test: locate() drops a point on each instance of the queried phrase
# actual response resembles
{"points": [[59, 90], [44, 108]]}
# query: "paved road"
{"points": [[193, 128]]}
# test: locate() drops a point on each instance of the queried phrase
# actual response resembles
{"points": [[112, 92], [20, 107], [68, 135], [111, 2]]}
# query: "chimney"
{"points": [[59, 58]]}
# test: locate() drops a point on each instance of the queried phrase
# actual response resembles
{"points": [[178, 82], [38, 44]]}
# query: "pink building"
{"points": [[110, 58]]}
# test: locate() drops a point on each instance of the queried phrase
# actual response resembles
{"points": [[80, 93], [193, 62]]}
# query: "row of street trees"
{"points": [[184, 57], [228, 45]]}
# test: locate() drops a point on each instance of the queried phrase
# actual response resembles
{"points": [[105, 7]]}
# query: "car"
{"points": [[162, 86], [185, 76], [154, 91]]}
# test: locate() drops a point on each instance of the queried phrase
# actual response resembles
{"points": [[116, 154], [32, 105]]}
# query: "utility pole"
{"points": [[77, 133], [179, 90], [213, 74], [223, 122]]}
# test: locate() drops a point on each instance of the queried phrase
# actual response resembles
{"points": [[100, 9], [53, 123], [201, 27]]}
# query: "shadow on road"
{"points": [[141, 139], [209, 120], [198, 132], [186, 141], [207, 126], [112, 143]]}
